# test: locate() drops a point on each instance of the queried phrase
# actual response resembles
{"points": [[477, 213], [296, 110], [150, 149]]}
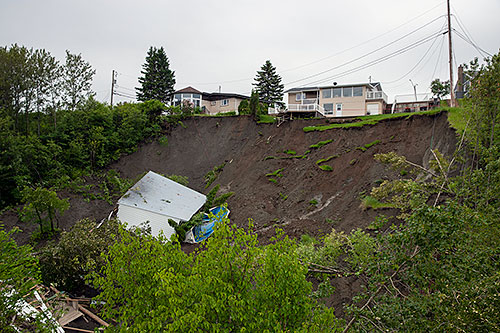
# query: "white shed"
{"points": [[157, 199]]}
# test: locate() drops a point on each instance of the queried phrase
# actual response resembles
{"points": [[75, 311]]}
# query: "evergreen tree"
{"points": [[158, 80], [268, 84]]}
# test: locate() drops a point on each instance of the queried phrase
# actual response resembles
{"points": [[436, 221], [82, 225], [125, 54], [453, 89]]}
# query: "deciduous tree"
{"points": [[77, 80]]}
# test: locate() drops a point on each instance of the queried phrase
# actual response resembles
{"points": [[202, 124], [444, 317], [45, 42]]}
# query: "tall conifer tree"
{"points": [[268, 84], [158, 80]]}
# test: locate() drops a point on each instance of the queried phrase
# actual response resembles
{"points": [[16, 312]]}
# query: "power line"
{"points": [[379, 60], [366, 54], [418, 63], [478, 49], [361, 44]]}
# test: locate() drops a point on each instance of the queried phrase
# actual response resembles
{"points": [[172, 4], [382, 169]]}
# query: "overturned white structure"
{"points": [[156, 199]]}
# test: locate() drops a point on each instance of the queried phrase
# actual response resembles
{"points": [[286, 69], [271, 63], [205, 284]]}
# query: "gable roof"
{"points": [[218, 96], [163, 196], [188, 90]]}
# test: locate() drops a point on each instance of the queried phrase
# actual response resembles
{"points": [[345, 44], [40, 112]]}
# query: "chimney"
{"points": [[460, 81]]}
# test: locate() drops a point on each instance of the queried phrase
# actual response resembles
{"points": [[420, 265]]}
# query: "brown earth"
{"points": [[244, 145]]}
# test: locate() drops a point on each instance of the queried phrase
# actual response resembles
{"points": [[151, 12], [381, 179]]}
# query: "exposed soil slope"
{"points": [[243, 145]]}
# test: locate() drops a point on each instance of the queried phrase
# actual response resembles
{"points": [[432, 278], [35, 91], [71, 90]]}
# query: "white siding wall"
{"points": [[134, 217]]}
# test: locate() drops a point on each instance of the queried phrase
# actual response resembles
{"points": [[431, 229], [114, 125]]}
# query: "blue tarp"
{"points": [[203, 231]]}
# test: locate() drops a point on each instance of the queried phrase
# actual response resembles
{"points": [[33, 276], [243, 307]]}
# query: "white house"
{"points": [[156, 199]]}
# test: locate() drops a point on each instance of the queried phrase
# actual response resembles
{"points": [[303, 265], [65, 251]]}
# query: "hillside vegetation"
{"points": [[409, 224]]}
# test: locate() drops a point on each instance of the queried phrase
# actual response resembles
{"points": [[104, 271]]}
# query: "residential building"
{"points": [[414, 102], [210, 103], [338, 100]]}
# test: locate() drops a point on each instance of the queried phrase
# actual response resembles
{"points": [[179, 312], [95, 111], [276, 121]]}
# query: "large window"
{"points": [[337, 92], [357, 91], [328, 107], [338, 108], [347, 91], [298, 97], [224, 102], [327, 93]]}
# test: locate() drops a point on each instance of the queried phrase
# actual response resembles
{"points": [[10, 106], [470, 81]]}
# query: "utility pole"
{"points": [[113, 81], [414, 89], [452, 93]]}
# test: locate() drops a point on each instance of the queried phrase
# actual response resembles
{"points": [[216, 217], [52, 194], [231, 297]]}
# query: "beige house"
{"points": [[210, 103], [338, 100]]}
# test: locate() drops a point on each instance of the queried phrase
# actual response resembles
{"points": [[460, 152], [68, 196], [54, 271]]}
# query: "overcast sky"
{"points": [[223, 43]]}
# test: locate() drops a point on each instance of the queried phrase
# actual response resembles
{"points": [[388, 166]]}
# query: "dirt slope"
{"points": [[244, 146]]}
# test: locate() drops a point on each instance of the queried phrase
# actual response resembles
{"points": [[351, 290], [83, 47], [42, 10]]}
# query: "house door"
{"points": [[338, 110], [372, 109]]}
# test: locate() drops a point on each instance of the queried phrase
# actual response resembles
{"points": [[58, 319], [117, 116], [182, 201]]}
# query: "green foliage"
{"points": [[19, 274], [273, 180], [290, 152], [326, 167], [276, 173], [440, 88], [320, 144], [371, 202], [78, 251], [353, 161], [368, 145], [183, 180], [266, 119], [368, 120], [282, 196], [158, 80], [244, 107], [254, 105], [77, 82], [232, 285], [313, 202], [41, 206], [324, 160], [212, 175], [268, 84], [163, 141], [225, 114]]}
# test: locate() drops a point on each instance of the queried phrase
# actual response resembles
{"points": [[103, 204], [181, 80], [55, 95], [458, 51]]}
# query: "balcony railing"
{"points": [[376, 95], [310, 101], [306, 108]]}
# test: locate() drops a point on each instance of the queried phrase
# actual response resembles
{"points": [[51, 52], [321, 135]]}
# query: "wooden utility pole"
{"points": [[113, 81], [450, 50]]}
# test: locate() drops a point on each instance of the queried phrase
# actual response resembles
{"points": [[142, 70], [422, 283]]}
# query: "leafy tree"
{"points": [[268, 84], [440, 88], [158, 80], [19, 273], [66, 262], [42, 205], [244, 107], [77, 80], [233, 284]]}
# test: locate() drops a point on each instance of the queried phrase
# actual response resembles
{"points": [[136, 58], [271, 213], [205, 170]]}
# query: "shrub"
{"points": [[326, 168]]}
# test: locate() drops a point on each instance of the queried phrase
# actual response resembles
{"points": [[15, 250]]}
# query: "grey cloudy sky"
{"points": [[223, 43]]}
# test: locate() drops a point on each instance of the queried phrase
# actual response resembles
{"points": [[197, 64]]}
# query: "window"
{"points": [[328, 107], [177, 97], [224, 102], [196, 96], [298, 97], [357, 91], [347, 91], [186, 96], [327, 93], [337, 92]]}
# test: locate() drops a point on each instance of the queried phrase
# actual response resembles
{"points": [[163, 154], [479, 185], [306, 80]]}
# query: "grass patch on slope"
{"points": [[370, 120]]}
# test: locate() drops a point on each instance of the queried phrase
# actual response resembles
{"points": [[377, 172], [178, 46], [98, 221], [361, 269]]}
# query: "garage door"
{"points": [[373, 109]]}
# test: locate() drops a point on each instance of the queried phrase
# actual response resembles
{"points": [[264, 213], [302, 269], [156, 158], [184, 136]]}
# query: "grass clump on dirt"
{"points": [[368, 145], [369, 120], [371, 202], [266, 119], [326, 168], [275, 173], [290, 152], [212, 175], [320, 144], [323, 160]]}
